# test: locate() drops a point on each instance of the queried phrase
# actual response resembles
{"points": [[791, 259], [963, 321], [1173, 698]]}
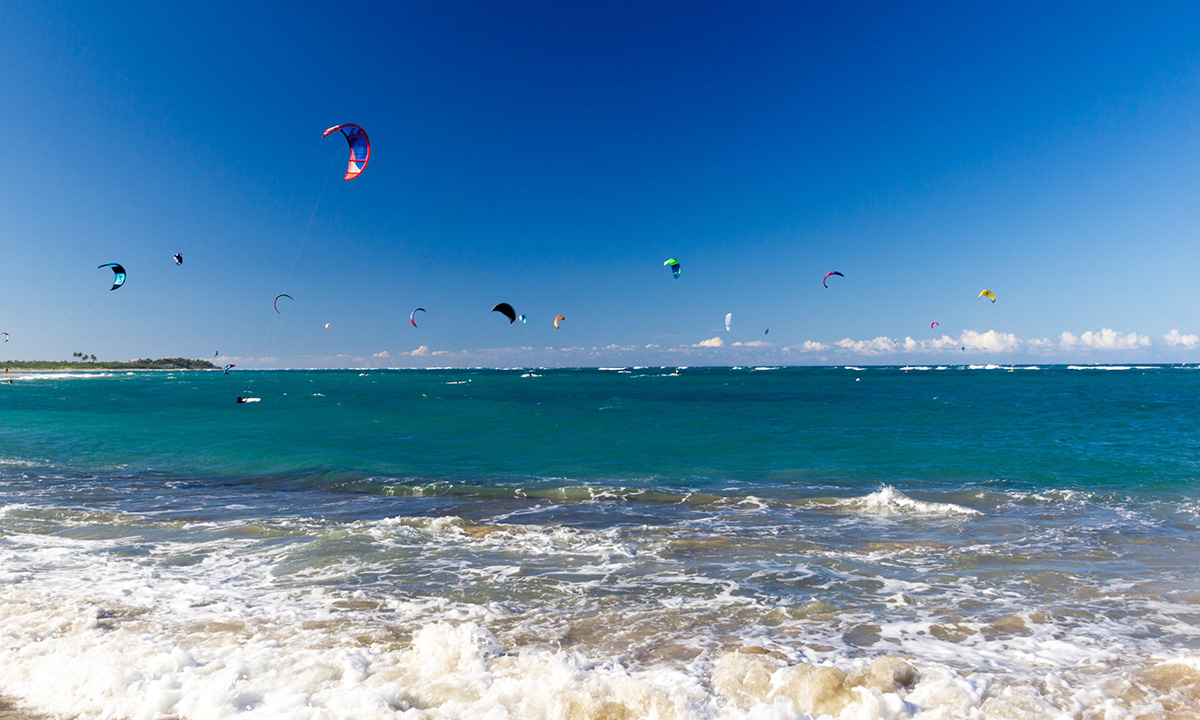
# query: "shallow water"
{"points": [[726, 543]]}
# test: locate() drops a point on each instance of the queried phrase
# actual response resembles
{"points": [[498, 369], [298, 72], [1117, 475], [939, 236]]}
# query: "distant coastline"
{"points": [[142, 364]]}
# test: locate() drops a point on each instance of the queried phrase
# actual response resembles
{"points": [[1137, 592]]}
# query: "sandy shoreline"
{"points": [[9, 710]]}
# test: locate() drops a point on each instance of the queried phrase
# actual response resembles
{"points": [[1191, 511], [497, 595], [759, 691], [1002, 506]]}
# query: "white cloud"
{"points": [[714, 342], [876, 346], [809, 346], [1106, 339], [437, 352], [945, 342], [423, 350], [990, 341], [753, 343], [381, 354], [1175, 339]]}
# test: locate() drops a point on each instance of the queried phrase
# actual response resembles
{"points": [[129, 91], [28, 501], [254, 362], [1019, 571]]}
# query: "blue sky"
{"points": [[552, 155]]}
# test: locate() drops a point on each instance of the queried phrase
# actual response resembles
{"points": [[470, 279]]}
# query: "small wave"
{"points": [[1100, 367], [60, 375], [888, 501], [561, 494], [17, 464]]}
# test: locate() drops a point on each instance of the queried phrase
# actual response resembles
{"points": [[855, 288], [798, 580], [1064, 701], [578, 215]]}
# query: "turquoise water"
{"points": [[725, 542]]}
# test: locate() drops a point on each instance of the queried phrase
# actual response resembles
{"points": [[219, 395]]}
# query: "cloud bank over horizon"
{"points": [[970, 346]]}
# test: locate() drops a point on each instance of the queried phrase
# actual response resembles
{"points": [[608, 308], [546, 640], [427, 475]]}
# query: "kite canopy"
{"points": [[275, 304], [674, 265], [412, 318], [5, 336], [988, 294], [118, 274], [227, 367], [728, 321], [507, 311], [178, 258], [766, 331], [560, 317], [360, 147], [832, 272], [933, 324], [523, 319], [328, 325]]}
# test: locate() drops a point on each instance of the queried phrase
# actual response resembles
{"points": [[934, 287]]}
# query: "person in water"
{"points": [[240, 399]]}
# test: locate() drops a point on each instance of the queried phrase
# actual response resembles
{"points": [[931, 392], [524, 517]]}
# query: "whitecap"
{"points": [[888, 501]]}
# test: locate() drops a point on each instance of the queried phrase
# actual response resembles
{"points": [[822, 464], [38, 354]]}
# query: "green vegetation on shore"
{"points": [[142, 364]]}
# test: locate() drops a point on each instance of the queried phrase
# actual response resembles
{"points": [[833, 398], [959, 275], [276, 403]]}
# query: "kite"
{"points": [[674, 264], [328, 325], [560, 317], [831, 272], [412, 318], [5, 336], [275, 304], [360, 147], [227, 367], [216, 353], [728, 321], [768, 330], [523, 319], [933, 324], [988, 294], [178, 258], [507, 311], [118, 274]]}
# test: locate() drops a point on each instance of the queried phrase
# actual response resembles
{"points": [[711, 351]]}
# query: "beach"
{"points": [[753, 542]]}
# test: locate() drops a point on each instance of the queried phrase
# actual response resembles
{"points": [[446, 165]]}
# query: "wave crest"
{"points": [[888, 501]]}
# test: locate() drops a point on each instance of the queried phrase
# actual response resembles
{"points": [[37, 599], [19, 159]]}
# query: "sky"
{"points": [[552, 155]]}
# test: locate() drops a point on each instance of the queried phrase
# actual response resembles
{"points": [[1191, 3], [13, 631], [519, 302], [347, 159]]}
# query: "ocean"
{"points": [[614, 543]]}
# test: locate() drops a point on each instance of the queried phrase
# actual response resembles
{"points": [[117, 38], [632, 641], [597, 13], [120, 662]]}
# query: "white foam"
{"points": [[889, 501], [1100, 367], [60, 375], [250, 621]]}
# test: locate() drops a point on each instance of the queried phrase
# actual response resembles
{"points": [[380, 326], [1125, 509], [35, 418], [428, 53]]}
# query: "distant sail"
{"points": [[118, 274], [507, 311]]}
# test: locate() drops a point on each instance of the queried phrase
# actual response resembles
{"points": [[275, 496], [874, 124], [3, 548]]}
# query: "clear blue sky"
{"points": [[553, 154]]}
